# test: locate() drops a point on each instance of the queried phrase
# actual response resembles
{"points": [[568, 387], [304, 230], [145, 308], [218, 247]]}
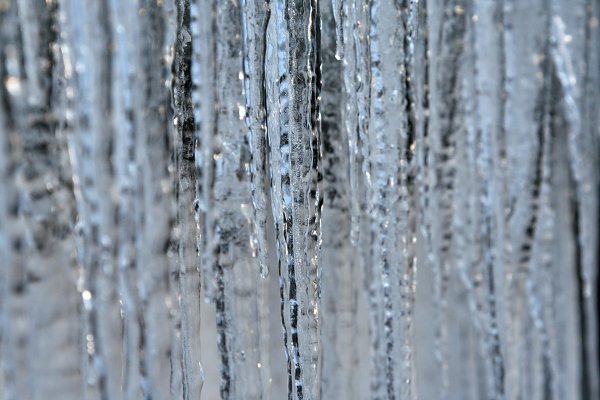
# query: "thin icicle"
{"points": [[338, 7], [288, 269], [202, 102], [408, 216], [356, 74], [204, 99], [341, 275], [7, 388], [255, 15], [125, 176], [350, 114], [487, 118], [275, 81], [446, 34], [189, 276]]}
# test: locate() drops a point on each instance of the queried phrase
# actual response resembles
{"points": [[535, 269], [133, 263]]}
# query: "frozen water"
{"points": [[343, 199]]}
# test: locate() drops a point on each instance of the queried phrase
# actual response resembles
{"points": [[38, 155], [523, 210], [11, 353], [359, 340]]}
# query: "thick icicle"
{"points": [[356, 74], [356, 20], [87, 37], [237, 294], [39, 273], [391, 140], [155, 210], [14, 319], [297, 29], [224, 165], [141, 170]]}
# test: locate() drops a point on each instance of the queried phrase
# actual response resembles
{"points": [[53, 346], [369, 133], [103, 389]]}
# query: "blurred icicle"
{"points": [[126, 171], [487, 122], [155, 208], [42, 274], [446, 33], [341, 278], [205, 108], [188, 272], [86, 38]]}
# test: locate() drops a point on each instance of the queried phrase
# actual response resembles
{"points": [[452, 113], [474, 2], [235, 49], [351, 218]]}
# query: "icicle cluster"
{"points": [[345, 199]]}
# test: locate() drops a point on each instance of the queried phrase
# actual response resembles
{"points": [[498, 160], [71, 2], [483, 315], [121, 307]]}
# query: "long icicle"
{"points": [[188, 263]]}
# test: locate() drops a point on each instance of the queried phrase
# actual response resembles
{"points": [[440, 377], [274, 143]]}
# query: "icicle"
{"points": [[189, 278], [408, 214], [390, 196], [288, 274], [487, 117], [350, 114], [278, 165], [255, 15], [525, 133], [237, 296], [41, 273], [356, 113], [589, 188], [299, 161], [125, 176], [341, 276], [446, 34], [5, 252], [356, 74], [539, 286], [338, 7], [13, 317], [489, 120], [583, 164], [88, 100], [277, 101], [204, 99], [155, 209]]}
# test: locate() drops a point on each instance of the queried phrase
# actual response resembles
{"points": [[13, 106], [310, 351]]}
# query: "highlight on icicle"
{"points": [[335, 199]]}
